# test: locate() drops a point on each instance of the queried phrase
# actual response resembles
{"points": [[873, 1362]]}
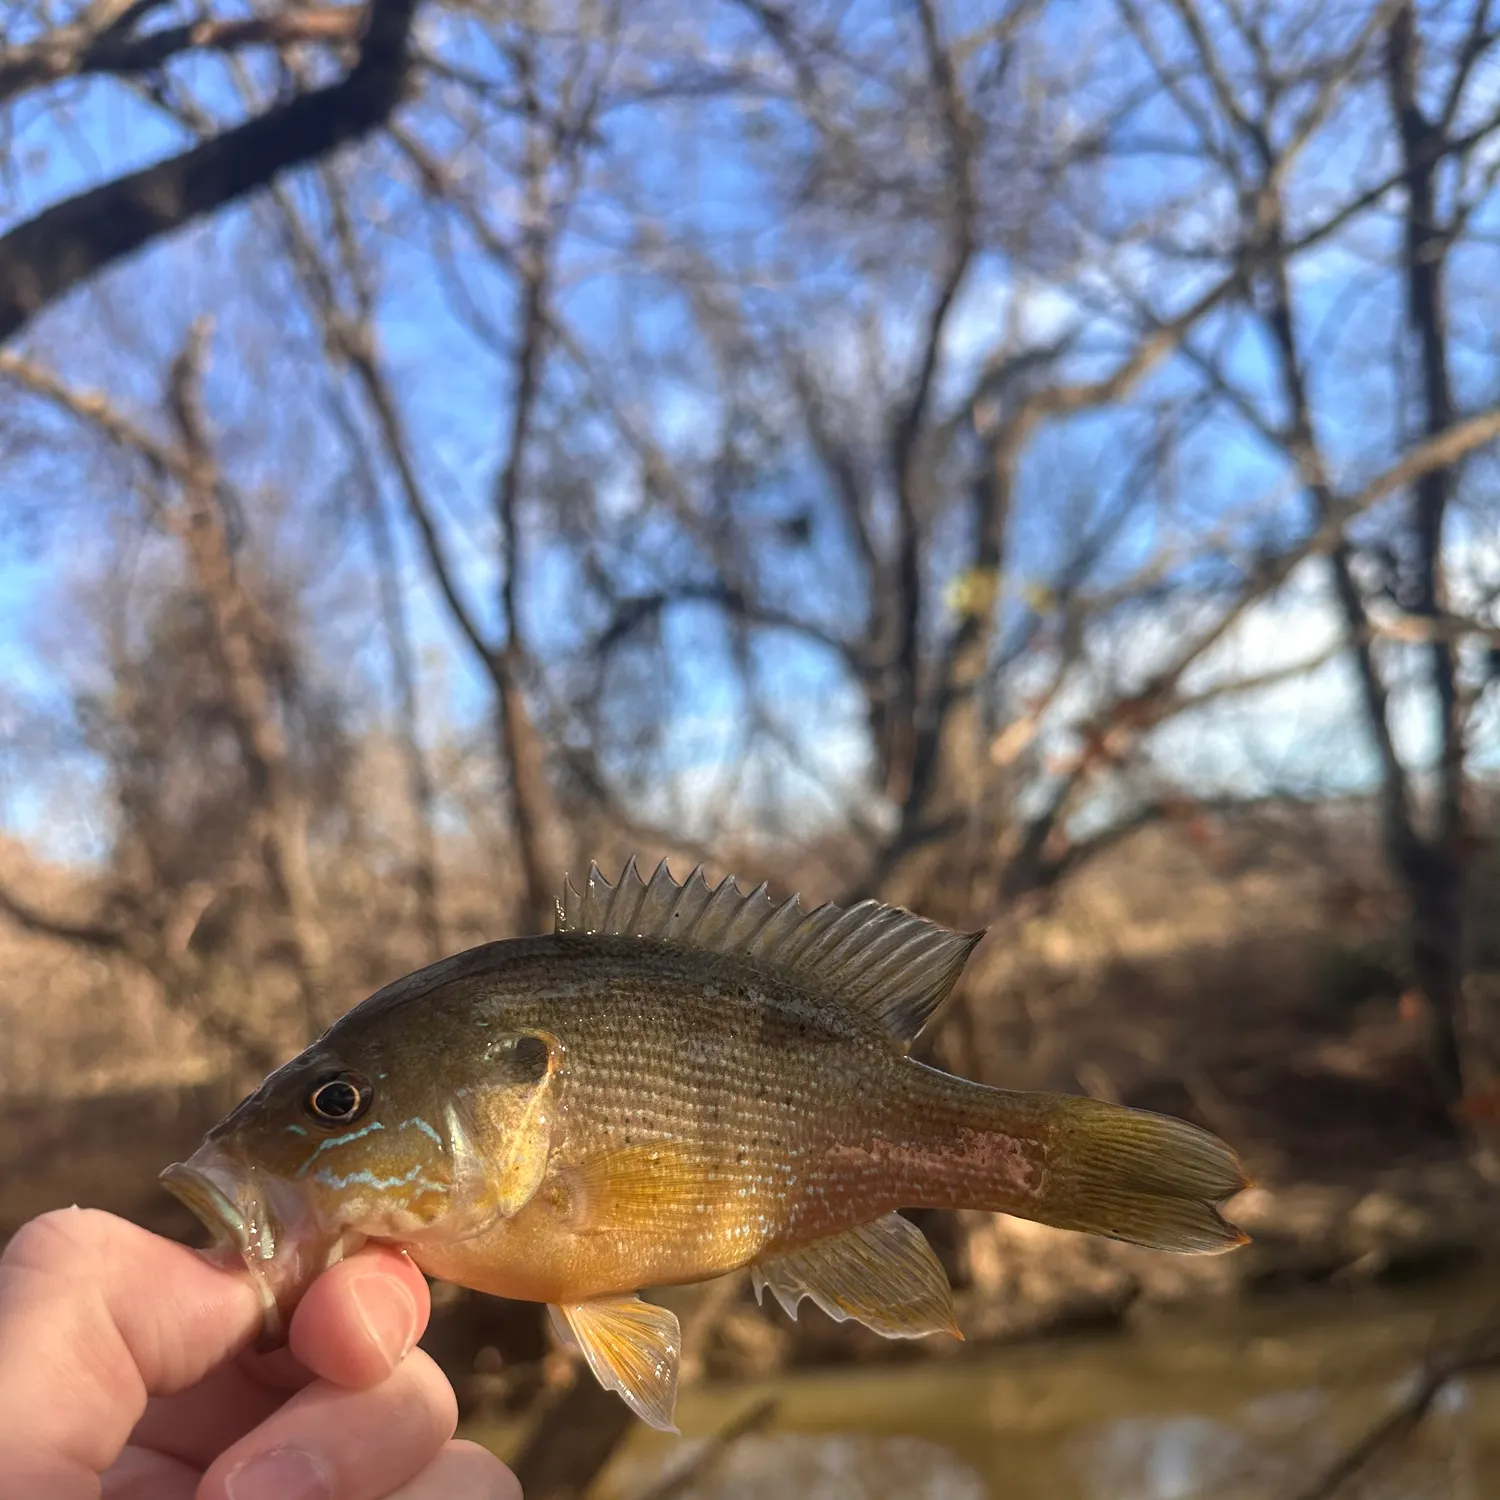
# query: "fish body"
{"points": [[679, 1082]]}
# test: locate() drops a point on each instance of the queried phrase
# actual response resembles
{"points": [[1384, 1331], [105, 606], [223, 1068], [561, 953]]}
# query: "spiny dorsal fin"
{"points": [[893, 965]]}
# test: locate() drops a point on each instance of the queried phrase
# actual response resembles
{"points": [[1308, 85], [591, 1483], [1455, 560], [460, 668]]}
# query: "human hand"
{"points": [[124, 1361]]}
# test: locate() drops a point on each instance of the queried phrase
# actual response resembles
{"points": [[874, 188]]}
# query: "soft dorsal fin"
{"points": [[882, 960]]}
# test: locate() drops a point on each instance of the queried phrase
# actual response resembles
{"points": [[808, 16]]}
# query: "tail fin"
{"points": [[1124, 1173]]}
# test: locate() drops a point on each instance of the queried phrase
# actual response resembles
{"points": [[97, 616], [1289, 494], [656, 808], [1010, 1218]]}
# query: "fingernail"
{"points": [[284, 1474], [389, 1314]]}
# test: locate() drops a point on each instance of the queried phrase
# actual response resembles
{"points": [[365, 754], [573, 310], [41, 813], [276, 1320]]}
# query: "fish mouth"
{"points": [[258, 1227], [213, 1206]]}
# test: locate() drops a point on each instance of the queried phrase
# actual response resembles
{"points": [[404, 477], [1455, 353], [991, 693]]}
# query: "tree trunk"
{"points": [[1436, 881], [237, 637], [418, 778], [531, 808]]}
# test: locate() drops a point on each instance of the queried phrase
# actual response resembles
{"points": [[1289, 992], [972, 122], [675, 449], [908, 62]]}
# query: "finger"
{"points": [[462, 1471], [141, 1475], [352, 1327], [327, 1441], [360, 1319], [196, 1425], [97, 1314]]}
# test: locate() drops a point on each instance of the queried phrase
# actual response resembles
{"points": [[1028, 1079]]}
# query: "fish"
{"points": [[678, 1082]]}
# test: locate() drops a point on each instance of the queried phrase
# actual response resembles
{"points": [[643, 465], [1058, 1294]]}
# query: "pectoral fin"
{"points": [[648, 1187], [882, 1274], [632, 1347]]}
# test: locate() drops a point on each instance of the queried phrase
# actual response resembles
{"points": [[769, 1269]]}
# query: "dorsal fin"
{"points": [[882, 960]]}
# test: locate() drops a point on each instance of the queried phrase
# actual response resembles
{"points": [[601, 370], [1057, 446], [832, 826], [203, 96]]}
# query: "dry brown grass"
{"points": [[77, 1023]]}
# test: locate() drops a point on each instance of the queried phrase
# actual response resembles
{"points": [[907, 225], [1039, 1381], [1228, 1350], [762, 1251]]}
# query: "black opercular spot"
{"points": [[530, 1054]]}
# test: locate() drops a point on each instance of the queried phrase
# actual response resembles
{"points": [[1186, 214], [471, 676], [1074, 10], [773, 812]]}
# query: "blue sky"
{"points": [[455, 398]]}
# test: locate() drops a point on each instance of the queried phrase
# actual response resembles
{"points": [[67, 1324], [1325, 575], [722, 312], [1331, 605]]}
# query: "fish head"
{"points": [[344, 1145]]}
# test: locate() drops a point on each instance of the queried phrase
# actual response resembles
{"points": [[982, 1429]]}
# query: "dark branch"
{"points": [[1479, 40], [47, 256], [1480, 1350], [632, 613], [1423, 267], [93, 935]]}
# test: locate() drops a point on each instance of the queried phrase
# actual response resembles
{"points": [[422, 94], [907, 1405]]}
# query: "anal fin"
{"points": [[883, 1274], [632, 1347]]}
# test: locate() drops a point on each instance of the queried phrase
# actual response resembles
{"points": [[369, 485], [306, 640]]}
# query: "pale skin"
{"points": [[126, 1373]]}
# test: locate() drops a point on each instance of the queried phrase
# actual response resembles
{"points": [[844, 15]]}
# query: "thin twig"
{"points": [[712, 1453], [1479, 1350]]}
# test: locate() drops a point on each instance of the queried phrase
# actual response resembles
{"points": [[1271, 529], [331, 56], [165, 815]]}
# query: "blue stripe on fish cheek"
{"points": [[425, 1128], [366, 1178], [338, 1140]]}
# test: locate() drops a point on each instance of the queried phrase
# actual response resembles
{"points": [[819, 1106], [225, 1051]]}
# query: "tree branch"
{"points": [[1302, 444], [78, 50], [900, 709], [1423, 267], [1165, 338], [838, 461], [353, 340], [1108, 734], [1478, 41], [632, 613], [404, 677], [1480, 1350], [47, 256], [238, 642], [86, 934], [533, 809], [94, 410]]}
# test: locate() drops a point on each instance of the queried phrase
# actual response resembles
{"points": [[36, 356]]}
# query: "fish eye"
{"points": [[340, 1098]]}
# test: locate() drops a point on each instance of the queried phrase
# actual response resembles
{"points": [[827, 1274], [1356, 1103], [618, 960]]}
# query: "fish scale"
{"points": [[681, 1081], [753, 1084]]}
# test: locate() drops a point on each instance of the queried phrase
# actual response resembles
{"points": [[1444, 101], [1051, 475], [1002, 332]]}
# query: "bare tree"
{"points": [[886, 453], [1257, 128], [240, 636], [45, 256], [156, 915]]}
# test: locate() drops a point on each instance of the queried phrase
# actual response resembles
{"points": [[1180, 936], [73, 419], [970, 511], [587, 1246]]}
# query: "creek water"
{"points": [[1242, 1401]]}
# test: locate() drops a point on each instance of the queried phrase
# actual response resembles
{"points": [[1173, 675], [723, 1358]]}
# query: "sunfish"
{"points": [[680, 1081]]}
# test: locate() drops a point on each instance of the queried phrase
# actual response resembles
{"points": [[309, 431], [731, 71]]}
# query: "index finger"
{"points": [[353, 1326], [96, 1315]]}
